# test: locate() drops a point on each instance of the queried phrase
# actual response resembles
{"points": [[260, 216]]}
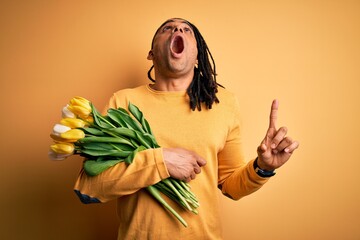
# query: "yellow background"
{"points": [[305, 53]]}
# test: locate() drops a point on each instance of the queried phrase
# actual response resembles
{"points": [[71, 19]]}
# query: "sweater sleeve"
{"points": [[237, 178], [122, 179], [147, 168]]}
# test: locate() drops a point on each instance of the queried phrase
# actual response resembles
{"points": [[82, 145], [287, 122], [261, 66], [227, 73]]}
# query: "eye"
{"points": [[187, 29], [166, 28]]}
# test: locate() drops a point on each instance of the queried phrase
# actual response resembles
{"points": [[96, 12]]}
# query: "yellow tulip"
{"points": [[89, 119], [79, 111], [62, 148], [60, 128], [73, 122], [57, 138], [66, 113], [73, 135], [58, 156], [55, 156], [80, 107]]}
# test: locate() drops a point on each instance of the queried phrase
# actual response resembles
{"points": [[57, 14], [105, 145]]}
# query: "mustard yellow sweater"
{"points": [[214, 134]]}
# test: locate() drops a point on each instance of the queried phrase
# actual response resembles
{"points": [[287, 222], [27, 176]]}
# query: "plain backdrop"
{"points": [[305, 53]]}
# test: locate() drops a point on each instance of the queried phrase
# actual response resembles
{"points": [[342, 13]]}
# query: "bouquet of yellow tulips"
{"points": [[108, 140]]}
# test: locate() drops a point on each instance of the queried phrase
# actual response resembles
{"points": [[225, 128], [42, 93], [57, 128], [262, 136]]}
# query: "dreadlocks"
{"points": [[203, 87]]}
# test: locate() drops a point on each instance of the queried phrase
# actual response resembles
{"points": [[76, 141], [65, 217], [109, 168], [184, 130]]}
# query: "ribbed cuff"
{"points": [[160, 164], [253, 174]]}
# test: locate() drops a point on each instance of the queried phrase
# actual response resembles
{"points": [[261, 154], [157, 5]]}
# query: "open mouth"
{"points": [[177, 45]]}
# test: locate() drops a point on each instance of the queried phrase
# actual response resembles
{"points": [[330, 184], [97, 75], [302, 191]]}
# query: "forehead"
{"points": [[174, 20], [178, 20], [171, 20]]}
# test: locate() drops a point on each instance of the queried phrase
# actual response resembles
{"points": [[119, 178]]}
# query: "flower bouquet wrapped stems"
{"points": [[108, 140]]}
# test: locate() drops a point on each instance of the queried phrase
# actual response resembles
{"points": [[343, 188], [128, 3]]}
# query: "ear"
{"points": [[150, 55]]}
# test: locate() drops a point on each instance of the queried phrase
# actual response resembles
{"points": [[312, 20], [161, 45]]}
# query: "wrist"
{"points": [[262, 165], [262, 172]]}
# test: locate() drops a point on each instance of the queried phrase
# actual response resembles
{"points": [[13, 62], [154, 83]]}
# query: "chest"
{"points": [[198, 131]]}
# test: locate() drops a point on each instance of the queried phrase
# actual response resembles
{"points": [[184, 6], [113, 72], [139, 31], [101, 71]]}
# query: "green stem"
{"points": [[186, 186], [166, 191], [105, 120], [181, 198], [156, 194]]}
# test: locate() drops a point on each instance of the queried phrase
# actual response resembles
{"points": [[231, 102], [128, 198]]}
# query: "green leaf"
{"points": [[123, 147], [151, 139], [105, 146], [105, 140], [92, 131], [97, 146], [134, 142], [122, 131], [143, 140], [100, 120], [95, 167], [112, 153], [122, 116], [116, 118], [135, 111], [131, 157]]}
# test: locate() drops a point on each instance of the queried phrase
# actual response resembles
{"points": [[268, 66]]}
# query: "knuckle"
{"points": [[296, 145], [284, 129]]}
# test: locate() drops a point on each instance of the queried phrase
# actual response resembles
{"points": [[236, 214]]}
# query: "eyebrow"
{"points": [[166, 22], [173, 20]]}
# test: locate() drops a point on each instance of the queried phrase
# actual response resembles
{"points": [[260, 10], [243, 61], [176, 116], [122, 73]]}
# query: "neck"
{"points": [[177, 83]]}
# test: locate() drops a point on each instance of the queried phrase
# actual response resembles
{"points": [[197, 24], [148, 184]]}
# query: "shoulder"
{"points": [[228, 103], [121, 97], [130, 91], [226, 97]]}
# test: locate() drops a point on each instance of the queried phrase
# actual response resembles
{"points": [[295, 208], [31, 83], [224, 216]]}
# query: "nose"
{"points": [[178, 29]]}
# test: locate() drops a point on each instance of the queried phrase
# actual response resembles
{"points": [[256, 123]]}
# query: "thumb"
{"points": [[262, 149], [200, 161]]}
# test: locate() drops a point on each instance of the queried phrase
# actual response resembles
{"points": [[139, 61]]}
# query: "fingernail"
{"points": [[273, 145], [275, 151], [286, 150]]}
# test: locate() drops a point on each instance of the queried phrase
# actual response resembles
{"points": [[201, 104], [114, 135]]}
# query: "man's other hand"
{"points": [[182, 164]]}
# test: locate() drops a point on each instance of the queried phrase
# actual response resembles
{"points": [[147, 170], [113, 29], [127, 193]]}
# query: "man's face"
{"points": [[174, 48]]}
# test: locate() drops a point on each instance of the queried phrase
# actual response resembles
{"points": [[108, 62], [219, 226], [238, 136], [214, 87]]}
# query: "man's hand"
{"points": [[276, 148], [182, 164]]}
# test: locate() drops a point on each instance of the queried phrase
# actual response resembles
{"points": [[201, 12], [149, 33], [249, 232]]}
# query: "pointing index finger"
{"points": [[273, 113]]}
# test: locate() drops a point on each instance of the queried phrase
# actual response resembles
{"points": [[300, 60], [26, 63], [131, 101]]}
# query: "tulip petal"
{"points": [[66, 113], [80, 111], [73, 122], [80, 107], [89, 119], [62, 148], [60, 128], [80, 101], [55, 156], [57, 138], [73, 134]]}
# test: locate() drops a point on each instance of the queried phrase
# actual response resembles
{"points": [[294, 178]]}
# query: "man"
{"points": [[196, 123]]}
